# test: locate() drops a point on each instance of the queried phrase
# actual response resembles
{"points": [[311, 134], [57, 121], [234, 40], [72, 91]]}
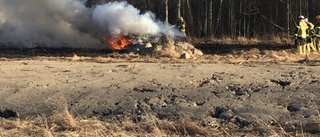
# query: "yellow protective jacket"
{"points": [[182, 26], [302, 29], [310, 30], [317, 29]]}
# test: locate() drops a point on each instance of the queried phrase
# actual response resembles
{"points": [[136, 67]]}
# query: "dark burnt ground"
{"points": [[12, 53], [228, 49], [207, 49]]}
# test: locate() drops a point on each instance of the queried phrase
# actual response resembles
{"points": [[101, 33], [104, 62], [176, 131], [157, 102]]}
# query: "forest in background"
{"points": [[230, 18]]}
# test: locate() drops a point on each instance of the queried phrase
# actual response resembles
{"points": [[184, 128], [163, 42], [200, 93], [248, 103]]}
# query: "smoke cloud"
{"points": [[68, 23], [122, 18], [48, 23]]}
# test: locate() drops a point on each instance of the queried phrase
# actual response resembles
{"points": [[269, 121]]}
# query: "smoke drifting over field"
{"points": [[121, 17], [50, 23], [68, 23]]}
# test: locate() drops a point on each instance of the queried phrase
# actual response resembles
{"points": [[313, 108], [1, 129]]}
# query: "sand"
{"points": [[239, 89], [239, 95]]}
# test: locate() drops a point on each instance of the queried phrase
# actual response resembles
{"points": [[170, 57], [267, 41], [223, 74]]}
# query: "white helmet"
{"points": [[301, 17]]}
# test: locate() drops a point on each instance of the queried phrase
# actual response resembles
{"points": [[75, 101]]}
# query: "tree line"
{"points": [[230, 18]]}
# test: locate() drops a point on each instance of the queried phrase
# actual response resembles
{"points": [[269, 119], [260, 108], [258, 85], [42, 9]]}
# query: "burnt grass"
{"points": [[210, 49]]}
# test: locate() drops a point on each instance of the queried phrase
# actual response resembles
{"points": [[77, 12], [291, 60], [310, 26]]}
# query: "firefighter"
{"points": [[301, 35], [310, 35], [181, 25], [317, 33]]}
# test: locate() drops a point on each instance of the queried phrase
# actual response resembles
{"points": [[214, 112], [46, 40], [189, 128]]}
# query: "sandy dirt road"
{"points": [[239, 95]]}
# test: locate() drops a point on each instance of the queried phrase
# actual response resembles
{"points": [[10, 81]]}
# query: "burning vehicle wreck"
{"points": [[118, 42], [123, 27], [159, 45]]}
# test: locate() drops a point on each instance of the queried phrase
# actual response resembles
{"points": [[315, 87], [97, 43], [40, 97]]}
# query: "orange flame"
{"points": [[118, 42]]}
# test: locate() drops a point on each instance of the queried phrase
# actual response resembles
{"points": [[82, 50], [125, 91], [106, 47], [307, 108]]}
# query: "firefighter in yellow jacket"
{"points": [[317, 33], [301, 35], [310, 36], [181, 25]]}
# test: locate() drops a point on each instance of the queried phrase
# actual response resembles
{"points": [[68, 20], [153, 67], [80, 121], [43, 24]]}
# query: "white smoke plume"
{"points": [[122, 18], [48, 23], [68, 23]]}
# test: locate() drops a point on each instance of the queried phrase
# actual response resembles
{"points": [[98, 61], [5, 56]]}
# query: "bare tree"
{"points": [[179, 8], [167, 11], [233, 18]]}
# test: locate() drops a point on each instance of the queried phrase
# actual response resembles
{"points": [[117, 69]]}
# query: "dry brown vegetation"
{"points": [[253, 55], [276, 40], [64, 124]]}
